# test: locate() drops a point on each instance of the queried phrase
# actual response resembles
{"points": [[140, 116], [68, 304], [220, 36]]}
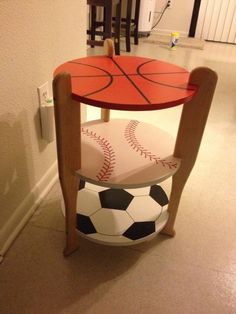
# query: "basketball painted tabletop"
{"points": [[128, 82]]}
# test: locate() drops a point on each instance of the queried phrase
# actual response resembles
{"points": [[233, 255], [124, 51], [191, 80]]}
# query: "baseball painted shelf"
{"points": [[125, 154], [119, 162]]}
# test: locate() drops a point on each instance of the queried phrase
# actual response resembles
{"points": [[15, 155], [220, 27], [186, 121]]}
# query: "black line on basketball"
{"points": [[162, 84], [93, 66], [128, 78], [163, 73], [128, 74]]}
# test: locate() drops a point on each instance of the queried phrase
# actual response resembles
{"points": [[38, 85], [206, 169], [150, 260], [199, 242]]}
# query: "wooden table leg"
{"points": [[191, 128], [109, 51], [67, 118], [105, 115]]}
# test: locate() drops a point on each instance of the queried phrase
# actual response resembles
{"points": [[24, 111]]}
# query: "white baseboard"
{"points": [[26, 209], [168, 32]]}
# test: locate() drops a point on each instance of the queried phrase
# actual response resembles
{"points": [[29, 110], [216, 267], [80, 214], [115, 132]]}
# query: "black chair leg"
{"points": [[117, 28], [128, 25], [93, 23], [106, 24], [136, 21]]}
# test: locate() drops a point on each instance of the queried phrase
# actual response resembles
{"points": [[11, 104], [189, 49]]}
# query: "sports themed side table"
{"points": [[122, 160]]}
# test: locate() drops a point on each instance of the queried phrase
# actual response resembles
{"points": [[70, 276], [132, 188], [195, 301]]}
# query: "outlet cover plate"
{"points": [[43, 93]]}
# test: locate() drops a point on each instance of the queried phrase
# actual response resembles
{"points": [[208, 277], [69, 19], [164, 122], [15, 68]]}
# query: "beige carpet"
{"points": [[186, 42]]}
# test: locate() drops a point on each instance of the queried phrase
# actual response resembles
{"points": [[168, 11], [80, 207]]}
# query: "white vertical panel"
{"points": [[228, 21], [208, 18], [221, 20], [232, 33], [214, 19], [217, 20], [201, 18]]}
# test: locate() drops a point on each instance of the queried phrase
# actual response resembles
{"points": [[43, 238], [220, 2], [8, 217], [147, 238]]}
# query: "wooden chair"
{"points": [[128, 23], [106, 24]]}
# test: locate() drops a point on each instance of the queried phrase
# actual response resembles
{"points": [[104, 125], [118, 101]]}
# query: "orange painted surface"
{"points": [[128, 82]]}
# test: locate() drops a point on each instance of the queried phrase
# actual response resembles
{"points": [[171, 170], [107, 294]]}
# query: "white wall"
{"points": [[35, 37], [176, 18]]}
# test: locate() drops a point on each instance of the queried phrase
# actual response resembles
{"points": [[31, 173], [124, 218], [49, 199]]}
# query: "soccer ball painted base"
{"points": [[118, 216]]}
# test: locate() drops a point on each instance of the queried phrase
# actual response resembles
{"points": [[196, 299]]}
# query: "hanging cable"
{"points": [[162, 13]]}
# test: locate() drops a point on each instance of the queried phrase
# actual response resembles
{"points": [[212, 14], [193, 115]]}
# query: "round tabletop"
{"points": [[128, 82]]}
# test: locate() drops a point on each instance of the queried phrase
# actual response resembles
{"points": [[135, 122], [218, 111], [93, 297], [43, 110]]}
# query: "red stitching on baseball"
{"points": [[109, 155], [134, 143]]}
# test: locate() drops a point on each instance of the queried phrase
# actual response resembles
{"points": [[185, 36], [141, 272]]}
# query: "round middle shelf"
{"points": [[126, 154]]}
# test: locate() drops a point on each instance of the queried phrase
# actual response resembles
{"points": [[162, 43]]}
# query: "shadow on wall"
{"points": [[42, 144], [16, 167]]}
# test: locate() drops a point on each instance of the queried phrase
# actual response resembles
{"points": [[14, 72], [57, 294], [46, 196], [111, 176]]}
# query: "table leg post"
{"points": [[67, 119], [109, 51], [69, 191], [105, 115], [191, 128], [108, 46]]}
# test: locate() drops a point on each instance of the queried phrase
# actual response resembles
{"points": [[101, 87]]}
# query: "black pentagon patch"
{"points": [[81, 184], [115, 199], [139, 230], [84, 224], [159, 195]]}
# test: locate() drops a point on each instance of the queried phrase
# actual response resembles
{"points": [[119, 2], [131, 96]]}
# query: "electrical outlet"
{"points": [[43, 94]]}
